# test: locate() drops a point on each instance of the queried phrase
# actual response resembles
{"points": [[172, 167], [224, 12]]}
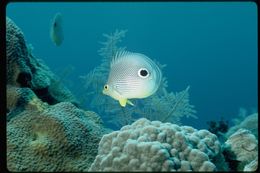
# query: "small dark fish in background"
{"points": [[56, 30]]}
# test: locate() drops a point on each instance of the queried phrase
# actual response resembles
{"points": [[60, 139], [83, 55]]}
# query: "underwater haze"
{"points": [[209, 46]]}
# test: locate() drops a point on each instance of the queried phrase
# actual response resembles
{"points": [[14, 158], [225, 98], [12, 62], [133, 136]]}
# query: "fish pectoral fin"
{"points": [[123, 102], [129, 102]]}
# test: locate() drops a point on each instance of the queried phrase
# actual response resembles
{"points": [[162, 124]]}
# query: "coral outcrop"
{"points": [[243, 147], [252, 166], [21, 99], [250, 123], [45, 129], [59, 138], [154, 146], [24, 70]]}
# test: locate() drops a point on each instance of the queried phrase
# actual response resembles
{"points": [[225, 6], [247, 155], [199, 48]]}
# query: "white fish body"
{"points": [[56, 31], [132, 75]]}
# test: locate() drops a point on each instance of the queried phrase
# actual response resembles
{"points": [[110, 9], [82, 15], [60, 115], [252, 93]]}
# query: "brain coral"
{"points": [[59, 138], [20, 99], [16, 51], [243, 144], [24, 70], [252, 166], [154, 146]]}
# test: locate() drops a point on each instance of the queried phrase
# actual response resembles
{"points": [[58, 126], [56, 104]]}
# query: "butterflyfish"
{"points": [[132, 75]]}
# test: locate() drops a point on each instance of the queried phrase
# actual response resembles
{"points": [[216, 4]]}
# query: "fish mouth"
{"points": [[105, 92]]}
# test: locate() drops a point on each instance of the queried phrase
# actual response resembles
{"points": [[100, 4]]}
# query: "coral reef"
{"points": [[218, 128], [249, 122], [243, 148], [252, 166], [155, 146], [45, 129], [59, 138], [163, 105], [21, 99], [24, 70], [17, 56]]}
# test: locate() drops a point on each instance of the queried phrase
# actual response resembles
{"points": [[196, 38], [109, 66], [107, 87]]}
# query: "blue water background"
{"points": [[211, 46]]}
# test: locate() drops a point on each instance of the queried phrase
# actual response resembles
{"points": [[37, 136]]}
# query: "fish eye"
{"points": [[106, 87], [143, 73]]}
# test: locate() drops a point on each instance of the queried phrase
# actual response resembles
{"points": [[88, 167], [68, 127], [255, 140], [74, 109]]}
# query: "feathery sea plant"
{"points": [[163, 105]]}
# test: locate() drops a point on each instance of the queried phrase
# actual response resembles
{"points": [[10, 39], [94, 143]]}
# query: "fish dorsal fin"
{"points": [[119, 56]]}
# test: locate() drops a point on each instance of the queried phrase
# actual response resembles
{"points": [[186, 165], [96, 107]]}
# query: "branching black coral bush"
{"points": [[164, 106], [168, 106]]}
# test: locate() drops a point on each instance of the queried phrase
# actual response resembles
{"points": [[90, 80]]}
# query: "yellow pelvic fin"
{"points": [[129, 102], [124, 101]]}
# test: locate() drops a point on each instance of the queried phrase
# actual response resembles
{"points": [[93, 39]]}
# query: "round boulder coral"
{"points": [[154, 146]]}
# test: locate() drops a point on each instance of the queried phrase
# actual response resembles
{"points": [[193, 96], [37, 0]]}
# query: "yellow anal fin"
{"points": [[124, 101]]}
